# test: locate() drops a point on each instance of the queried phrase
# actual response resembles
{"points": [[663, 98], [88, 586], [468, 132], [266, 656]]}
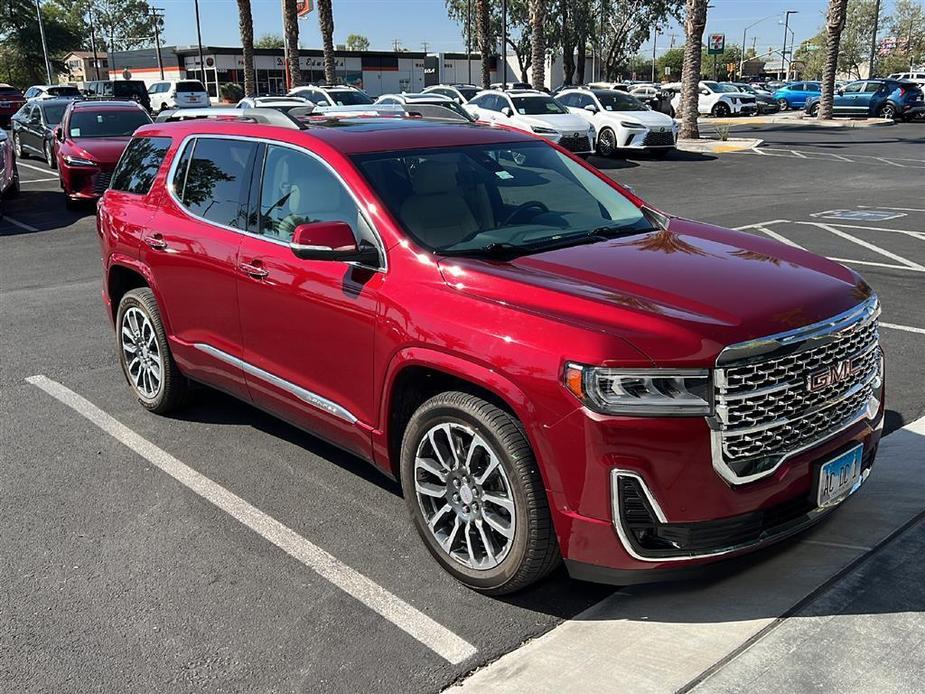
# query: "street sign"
{"points": [[717, 44], [305, 7]]}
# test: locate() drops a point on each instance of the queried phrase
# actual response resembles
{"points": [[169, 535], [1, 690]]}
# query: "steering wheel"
{"points": [[530, 204]]}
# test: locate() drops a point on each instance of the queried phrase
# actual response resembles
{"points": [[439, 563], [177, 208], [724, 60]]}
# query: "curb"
{"points": [[719, 146], [799, 118]]}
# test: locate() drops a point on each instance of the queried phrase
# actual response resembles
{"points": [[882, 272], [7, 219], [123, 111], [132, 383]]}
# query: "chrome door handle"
{"points": [[156, 241], [255, 271]]}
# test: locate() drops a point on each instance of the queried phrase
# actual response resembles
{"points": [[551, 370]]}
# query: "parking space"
{"points": [[222, 548]]}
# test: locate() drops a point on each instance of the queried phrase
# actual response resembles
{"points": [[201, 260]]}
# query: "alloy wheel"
{"points": [[49, 156], [606, 143], [17, 147], [784, 104], [888, 112], [464, 495], [141, 353]]}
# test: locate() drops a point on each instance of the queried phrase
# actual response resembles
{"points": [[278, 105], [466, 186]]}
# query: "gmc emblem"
{"points": [[830, 375]]}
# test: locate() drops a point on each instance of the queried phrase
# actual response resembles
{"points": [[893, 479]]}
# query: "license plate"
{"points": [[840, 477]]}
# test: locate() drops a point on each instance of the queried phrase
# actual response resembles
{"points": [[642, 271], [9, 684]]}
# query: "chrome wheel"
{"points": [[888, 112], [141, 353], [606, 142], [464, 495], [17, 147], [49, 156]]}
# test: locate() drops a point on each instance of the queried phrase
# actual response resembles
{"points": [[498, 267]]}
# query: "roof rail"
{"points": [[265, 116]]}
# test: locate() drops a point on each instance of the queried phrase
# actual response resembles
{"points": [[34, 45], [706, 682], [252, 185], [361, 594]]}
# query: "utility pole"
{"points": [[96, 59], [202, 60], [654, 41], [157, 38], [504, 43], [469, 37], [873, 42], [38, 11], [425, 46], [783, 53], [396, 45]]}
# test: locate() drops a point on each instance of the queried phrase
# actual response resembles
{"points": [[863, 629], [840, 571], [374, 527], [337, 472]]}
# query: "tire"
{"points": [[721, 110], [13, 190], [814, 110], [17, 147], [887, 111], [50, 156], [138, 314], [606, 142], [784, 104], [502, 469]]}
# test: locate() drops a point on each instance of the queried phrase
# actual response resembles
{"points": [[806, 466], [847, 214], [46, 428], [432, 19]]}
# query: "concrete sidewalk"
{"points": [[798, 118], [670, 637]]}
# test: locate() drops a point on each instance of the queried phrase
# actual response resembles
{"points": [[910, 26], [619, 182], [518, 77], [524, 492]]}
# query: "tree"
{"points": [[538, 39], [518, 27], [123, 24], [326, 24], [673, 59], [695, 21], [629, 24], [269, 41], [246, 27], [291, 41], [482, 19], [357, 42], [908, 27], [22, 61], [834, 25]]}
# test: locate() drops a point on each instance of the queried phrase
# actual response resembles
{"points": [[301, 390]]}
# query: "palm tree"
{"points": [[538, 41], [694, 23], [246, 26], [326, 22], [834, 23], [482, 19], [291, 41]]}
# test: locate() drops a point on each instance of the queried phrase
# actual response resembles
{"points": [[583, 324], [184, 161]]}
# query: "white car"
{"points": [[534, 112], [338, 95], [917, 77], [173, 94], [280, 103], [460, 92], [621, 120], [430, 105], [718, 100], [51, 91]]}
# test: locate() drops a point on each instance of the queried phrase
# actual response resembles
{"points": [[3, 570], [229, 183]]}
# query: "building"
{"points": [[81, 66]]}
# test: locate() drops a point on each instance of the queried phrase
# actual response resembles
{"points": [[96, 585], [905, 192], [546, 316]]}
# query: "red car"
{"points": [[11, 100], [550, 366], [89, 142]]}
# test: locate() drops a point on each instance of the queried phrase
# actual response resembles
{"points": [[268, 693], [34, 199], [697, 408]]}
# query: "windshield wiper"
{"points": [[491, 250]]}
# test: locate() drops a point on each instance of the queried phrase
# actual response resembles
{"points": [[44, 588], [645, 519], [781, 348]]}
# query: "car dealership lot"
{"points": [[187, 553]]}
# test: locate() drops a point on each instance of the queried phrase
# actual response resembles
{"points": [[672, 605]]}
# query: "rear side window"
{"points": [[217, 180], [190, 86], [139, 164]]}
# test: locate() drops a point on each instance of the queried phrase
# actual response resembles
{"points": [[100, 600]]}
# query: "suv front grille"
{"points": [[101, 182], [658, 139], [575, 144], [766, 408]]}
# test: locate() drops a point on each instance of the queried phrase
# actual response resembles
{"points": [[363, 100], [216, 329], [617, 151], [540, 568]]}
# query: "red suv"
{"points": [[88, 143], [550, 366]]}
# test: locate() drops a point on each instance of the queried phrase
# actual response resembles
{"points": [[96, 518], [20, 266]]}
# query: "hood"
{"points": [[105, 150], [563, 122], [655, 119], [679, 295]]}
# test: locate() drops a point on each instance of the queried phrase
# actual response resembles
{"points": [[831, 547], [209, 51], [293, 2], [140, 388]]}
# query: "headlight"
{"points": [[626, 124], [78, 161], [540, 130], [664, 392]]}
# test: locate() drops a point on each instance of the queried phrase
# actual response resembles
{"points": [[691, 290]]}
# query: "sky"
{"points": [[413, 22]]}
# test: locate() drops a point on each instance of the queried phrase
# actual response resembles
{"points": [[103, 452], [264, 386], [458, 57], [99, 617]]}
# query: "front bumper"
{"points": [[84, 183], [648, 138]]}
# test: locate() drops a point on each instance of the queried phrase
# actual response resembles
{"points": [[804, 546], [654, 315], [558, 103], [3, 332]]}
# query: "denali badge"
{"points": [[830, 375]]}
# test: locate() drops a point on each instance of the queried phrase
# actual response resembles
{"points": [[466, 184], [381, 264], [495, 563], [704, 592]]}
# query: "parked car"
{"points": [[33, 128], [89, 142], [875, 98], [550, 366], [173, 94], [337, 95], [510, 85], [280, 103], [614, 86], [621, 121], [9, 174], [136, 90], [427, 104], [716, 99], [11, 100], [795, 94], [765, 102], [535, 112], [52, 91], [461, 92], [915, 76]]}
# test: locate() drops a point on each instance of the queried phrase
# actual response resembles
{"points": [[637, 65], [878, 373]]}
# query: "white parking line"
{"points": [[865, 244], [839, 545], [909, 232], [43, 169], [906, 328], [15, 223], [436, 637], [24, 181], [873, 263]]}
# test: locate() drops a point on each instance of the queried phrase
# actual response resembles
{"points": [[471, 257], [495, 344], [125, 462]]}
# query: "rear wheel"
{"points": [[13, 189], [814, 110], [145, 355], [17, 147], [784, 104], [475, 494], [606, 143], [887, 111]]}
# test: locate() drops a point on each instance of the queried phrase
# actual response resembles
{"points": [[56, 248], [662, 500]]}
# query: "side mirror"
{"points": [[591, 108], [330, 241], [840, 91], [507, 111]]}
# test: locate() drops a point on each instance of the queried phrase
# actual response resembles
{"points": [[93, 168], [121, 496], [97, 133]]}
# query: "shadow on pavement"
{"points": [[42, 210]]}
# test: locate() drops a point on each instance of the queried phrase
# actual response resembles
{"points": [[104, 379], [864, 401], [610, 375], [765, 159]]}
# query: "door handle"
{"points": [[156, 241], [253, 270]]}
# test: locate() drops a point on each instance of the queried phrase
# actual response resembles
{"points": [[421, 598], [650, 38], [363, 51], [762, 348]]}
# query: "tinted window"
{"points": [[54, 113], [345, 98], [190, 86], [139, 164], [854, 87], [536, 105], [872, 87], [111, 123], [63, 91], [218, 181], [467, 93], [619, 101], [128, 88], [9, 90], [298, 189]]}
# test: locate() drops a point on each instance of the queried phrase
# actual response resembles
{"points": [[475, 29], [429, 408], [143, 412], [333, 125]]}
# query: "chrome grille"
{"points": [[765, 408]]}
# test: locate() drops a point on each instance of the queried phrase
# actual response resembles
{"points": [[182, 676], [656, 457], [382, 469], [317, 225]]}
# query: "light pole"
{"points": [[504, 43], [654, 41], [38, 11], [783, 53], [744, 34], [202, 62], [469, 38], [155, 16]]}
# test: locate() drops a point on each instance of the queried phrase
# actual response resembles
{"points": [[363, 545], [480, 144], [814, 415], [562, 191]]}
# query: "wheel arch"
{"points": [[125, 274]]}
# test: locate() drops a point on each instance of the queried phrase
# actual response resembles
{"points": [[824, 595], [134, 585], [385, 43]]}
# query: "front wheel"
{"points": [[14, 188], [50, 156], [606, 143], [17, 147], [814, 110], [475, 494], [721, 110], [784, 104]]}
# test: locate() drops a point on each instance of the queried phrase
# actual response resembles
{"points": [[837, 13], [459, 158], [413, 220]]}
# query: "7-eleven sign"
{"points": [[717, 44], [305, 6]]}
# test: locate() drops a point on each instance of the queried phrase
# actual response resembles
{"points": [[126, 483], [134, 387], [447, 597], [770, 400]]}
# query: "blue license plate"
{"points": [[840, 477]]}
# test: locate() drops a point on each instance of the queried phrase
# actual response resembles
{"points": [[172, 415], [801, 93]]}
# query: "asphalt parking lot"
{"points": [[222, 550]]}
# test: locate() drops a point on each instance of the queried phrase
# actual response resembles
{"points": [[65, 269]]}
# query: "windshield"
{"points": [[536, 105], [449, 105], [619, 101], [349, 98], [720, 88], [519, 198], [467, 94], [10, 90], [63, 91], [743, 88], [190, 86], [115, 123], [54, 113]]}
